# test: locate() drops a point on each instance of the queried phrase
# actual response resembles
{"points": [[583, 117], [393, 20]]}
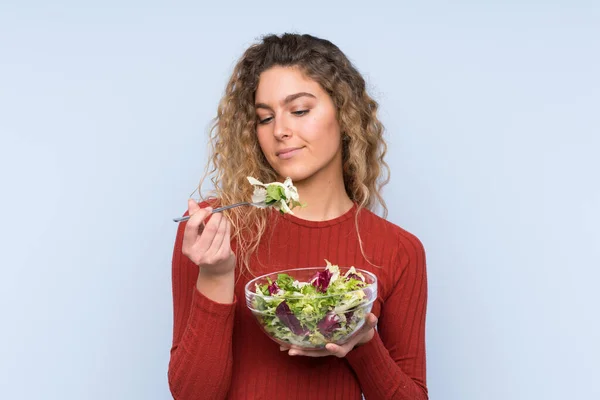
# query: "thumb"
{"points": [[371, 321], [193, 206]]}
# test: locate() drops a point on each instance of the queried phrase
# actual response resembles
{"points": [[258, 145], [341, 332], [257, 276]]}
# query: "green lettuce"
{"points": [[327, 308]]}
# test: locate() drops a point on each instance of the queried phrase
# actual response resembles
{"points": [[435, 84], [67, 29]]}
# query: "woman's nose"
{"points": [[281, 129]]}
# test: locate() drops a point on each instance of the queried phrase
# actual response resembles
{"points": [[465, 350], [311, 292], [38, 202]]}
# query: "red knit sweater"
{"points": [[219, 351]]}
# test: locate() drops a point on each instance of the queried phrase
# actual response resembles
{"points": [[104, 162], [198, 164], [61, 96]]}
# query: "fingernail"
{"points": [[292, 353]]}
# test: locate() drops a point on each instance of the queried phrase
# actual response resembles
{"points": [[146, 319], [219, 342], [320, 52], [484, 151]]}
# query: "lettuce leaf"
{"points": [[326, 308], [288, 318]]}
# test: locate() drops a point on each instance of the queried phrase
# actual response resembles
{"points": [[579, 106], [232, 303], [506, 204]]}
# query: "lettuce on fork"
{"points": [[281, 196], [326, 308]]}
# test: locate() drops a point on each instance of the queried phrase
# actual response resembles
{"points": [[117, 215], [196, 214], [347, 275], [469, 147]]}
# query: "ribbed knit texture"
{"points": [[219, 351]]}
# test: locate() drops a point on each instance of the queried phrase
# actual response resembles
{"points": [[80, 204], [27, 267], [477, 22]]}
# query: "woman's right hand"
{"points": [[208, 246]]}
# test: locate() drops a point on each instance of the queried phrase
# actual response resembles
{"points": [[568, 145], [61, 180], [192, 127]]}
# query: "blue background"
{"points": [[492, 115]]}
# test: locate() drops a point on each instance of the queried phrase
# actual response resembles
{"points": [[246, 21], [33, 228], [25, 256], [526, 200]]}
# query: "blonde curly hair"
{"points": [[235, 152]]}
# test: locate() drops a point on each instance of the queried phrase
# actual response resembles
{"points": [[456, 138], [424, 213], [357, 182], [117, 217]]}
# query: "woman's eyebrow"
{"points": [[287, 100]]}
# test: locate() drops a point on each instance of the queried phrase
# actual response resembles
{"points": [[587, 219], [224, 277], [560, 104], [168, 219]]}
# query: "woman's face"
{"points": [[297, 126]]}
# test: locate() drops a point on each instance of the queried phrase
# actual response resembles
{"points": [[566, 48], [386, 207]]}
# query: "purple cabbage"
{"points": [[354, 276], [328, 324], [273, 288], [321, 280], [288, 318]]}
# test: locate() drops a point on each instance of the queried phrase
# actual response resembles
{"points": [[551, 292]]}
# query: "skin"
{"points": [[293, 113], [207, 243]]}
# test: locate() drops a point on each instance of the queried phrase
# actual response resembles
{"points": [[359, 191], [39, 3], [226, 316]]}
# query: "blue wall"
{"points": [[492, 115]]}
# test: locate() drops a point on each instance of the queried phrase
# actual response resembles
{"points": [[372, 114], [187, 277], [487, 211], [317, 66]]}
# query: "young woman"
{"points": [[295, 107]]}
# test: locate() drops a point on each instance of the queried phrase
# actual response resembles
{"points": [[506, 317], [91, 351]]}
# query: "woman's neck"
{"points": [[325, 199]]}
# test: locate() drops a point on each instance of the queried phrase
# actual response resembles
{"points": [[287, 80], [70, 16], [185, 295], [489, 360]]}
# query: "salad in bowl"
{"points": [[310, 307]]}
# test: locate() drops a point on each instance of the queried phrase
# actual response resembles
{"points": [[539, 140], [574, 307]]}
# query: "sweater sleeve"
{"points": [[392, 364], [201, 354]]}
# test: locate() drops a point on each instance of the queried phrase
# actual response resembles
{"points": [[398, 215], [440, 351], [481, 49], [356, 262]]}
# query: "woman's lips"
{"points": [[288, 153]]}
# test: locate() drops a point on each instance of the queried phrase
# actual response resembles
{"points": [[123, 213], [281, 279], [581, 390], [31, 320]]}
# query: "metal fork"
{"points": [[260, 204]]}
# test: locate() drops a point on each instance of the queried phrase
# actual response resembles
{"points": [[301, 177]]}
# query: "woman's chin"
{"points": [[296, 174], [293, 175]]}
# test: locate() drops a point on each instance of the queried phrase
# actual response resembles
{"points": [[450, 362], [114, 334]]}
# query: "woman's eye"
{"points": [[298, 113], [265, 120]]}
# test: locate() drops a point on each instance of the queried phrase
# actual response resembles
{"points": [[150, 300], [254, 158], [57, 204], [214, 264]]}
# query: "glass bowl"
{"points": [[311, 320]]}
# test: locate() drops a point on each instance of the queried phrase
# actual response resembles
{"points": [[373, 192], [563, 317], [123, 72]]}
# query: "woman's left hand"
{"points": [[363, 336]]}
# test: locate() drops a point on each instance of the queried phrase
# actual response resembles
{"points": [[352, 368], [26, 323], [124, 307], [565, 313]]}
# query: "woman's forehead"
{"points": [[284, 84]]}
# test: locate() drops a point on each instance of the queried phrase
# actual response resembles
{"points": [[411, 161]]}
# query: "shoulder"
{"points": [[387, 231], [405, 249], [395, 255]]}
